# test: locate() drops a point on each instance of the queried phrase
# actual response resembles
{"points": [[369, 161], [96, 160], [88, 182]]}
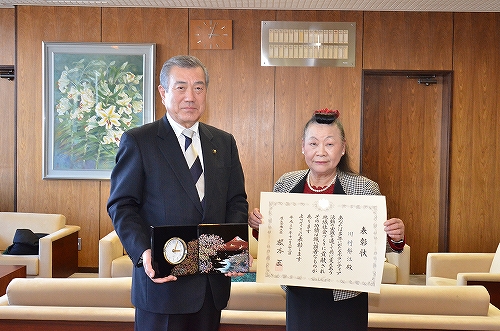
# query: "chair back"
{"points": [[36, 222]]}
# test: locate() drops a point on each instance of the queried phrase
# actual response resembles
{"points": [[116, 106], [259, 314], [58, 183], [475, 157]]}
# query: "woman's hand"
{"points": [[254, 219], [395, 229]]}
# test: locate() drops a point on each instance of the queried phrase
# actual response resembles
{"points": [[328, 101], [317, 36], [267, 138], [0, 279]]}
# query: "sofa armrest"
{"points": [[21, 314], [58, 253], [430, 300], [402, 262], [110, 248], [448, 265], [255, 320]]}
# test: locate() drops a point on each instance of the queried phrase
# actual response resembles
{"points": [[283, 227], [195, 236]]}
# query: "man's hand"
{"points": [[148, 269], [255, 218]]}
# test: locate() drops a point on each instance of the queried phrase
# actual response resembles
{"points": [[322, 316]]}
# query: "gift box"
{"points": [[205, 248]]}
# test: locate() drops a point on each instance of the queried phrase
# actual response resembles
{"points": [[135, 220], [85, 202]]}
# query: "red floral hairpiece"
{"points": [[327, 111], [326, 116]]}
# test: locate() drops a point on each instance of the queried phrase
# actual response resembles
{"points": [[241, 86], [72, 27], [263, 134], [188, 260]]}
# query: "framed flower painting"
{"points": [[92, 93]]}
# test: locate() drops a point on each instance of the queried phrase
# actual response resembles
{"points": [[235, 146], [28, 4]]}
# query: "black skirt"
{"points": [[314, 309]]}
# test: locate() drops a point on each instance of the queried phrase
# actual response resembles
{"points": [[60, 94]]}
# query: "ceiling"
{"points": [[358, 5]]}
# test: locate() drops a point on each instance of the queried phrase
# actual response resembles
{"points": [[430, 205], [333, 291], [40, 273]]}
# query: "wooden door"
{"points": [[405, 148]]}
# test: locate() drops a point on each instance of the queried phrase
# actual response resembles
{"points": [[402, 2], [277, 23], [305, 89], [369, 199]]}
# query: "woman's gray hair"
{"points": [[181, 61]]}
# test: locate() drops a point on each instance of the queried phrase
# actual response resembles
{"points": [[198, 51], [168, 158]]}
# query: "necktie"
{"points": [[194, 163]]}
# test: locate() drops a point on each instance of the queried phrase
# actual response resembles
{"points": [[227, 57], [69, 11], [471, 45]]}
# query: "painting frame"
{"points": [[92, 93]]}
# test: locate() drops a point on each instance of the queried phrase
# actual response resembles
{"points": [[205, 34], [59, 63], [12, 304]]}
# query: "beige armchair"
{"points": [[58, 251], [466, 269], [113, 260], [460, 268], [397, 267]]}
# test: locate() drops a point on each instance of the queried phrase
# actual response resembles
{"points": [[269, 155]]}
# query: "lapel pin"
{"points": [[214, 151]]}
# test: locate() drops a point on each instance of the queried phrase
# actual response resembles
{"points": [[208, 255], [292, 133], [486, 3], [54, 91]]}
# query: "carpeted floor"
{"points": [[417, 279]]}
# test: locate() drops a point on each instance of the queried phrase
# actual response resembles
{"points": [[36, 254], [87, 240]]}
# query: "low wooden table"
{"points": [[8, 273]]}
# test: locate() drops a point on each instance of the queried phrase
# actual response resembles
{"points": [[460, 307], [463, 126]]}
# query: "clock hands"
{"points": [[211, 34], [175, 248]]}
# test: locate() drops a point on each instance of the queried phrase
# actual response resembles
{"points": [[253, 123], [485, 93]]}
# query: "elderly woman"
{"points": [[325, 153]]}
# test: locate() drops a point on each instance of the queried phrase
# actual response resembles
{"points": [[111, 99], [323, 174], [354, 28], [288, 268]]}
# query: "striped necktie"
{"points": [[194, 163]]}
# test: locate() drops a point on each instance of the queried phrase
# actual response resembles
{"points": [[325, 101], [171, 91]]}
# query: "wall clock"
{"points": [[211, 34]]}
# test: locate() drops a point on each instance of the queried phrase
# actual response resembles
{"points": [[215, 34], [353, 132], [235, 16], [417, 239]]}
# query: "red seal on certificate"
{"points": [[279, 266]]}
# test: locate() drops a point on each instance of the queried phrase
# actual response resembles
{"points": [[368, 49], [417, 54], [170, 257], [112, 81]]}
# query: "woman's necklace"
{"points": [[322, 189]]}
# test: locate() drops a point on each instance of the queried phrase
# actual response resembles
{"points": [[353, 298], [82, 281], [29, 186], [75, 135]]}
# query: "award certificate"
{"points": [[322, 240]]}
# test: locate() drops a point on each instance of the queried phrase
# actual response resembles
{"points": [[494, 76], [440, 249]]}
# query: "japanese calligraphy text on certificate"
{"points": [[322, 240]]}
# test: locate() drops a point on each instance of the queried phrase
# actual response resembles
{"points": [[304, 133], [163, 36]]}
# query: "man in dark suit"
{"points": [[151, 185]]}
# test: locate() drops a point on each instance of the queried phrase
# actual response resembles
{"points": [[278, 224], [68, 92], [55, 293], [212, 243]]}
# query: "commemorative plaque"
{"points": [[205, 248]]}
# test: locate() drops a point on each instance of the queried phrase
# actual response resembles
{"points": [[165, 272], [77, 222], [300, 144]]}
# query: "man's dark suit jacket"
{"points": [[151, 185]]}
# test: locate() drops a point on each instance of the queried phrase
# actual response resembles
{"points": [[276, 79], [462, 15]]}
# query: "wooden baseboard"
{"points": [[43, 325], [240, 327], [40, 325]]}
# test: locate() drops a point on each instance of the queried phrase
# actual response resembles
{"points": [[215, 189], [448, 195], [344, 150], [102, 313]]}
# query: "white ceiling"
{"points": [[361, 5]]}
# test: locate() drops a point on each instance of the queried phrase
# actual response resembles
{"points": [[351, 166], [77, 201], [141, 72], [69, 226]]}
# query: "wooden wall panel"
{"points": [[167, 28], [7, 124], [408, 40], [301, 90], [241, 95], [475, 149], [78, 200], [266, 107], [7, 35]]}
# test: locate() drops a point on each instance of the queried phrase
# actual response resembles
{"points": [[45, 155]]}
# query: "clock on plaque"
{"points": [[175, 250]]}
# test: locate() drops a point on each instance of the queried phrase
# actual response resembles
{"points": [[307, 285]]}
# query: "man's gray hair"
{"points": [[181, 61]]}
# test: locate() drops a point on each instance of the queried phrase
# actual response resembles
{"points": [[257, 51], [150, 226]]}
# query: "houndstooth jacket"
{"points": [[346, 183], [352, 184]]}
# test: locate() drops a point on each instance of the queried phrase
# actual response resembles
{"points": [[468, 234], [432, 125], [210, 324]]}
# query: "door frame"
{"points": [[447, 78]]}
